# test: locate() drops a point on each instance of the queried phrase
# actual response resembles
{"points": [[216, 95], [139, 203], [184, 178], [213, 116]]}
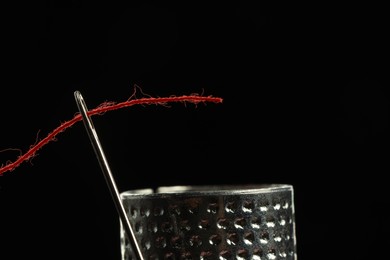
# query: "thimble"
{"points": [[211, 222]]}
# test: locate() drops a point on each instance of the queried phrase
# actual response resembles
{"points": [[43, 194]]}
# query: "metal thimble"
{"points": [[212, 222]]}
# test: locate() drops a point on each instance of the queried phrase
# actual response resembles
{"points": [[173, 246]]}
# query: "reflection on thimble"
{"points": [[212, 222]]}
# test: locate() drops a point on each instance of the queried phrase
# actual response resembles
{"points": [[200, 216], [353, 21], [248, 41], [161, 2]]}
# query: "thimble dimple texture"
{"points": [[238, 226]]}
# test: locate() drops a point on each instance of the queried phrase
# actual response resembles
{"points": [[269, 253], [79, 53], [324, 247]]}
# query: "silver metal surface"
{"points": [[212, 222], [128, 230]]}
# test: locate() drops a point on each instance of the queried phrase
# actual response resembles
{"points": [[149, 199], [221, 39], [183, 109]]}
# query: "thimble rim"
{"points": [[221, 189]]}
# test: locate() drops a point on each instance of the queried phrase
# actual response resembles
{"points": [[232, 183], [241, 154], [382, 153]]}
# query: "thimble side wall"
{"points": [[252, 225]]}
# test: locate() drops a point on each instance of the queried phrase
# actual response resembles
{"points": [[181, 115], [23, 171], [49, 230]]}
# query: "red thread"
{"points": [[101, 109]]}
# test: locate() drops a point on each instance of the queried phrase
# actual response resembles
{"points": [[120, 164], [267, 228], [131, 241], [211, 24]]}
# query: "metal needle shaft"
{"points": [[107, 173]]}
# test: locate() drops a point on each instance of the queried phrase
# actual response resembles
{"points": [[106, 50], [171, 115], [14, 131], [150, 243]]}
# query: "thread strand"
{"points": [[99, 110]]}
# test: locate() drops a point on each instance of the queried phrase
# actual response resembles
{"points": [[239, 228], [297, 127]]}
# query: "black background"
{"points": [[305, 102]]}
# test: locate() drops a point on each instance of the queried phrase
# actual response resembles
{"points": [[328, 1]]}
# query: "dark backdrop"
{"points": [[305, 102]]}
